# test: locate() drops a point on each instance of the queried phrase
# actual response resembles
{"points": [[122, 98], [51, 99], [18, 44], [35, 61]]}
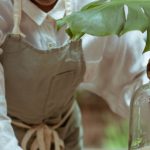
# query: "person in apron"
{"points": [[39, 90], [43, 67]]}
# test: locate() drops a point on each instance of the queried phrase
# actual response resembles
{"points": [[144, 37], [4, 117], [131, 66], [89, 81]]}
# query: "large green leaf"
{"points": [[104, 17]]}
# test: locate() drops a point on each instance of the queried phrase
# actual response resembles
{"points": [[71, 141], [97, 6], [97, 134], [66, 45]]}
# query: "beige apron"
{"points": [[39, 91]]}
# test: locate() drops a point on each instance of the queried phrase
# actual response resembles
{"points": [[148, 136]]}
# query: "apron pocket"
{"points": [[61, 91]]}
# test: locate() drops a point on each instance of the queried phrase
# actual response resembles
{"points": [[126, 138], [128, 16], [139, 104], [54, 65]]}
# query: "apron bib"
{"points": [[39, 90]]}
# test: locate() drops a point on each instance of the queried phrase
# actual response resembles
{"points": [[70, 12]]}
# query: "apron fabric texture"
{"points": [[39, 91]]}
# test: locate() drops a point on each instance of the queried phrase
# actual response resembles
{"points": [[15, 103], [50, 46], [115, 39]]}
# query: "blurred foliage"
{"points": [[116, 135]]}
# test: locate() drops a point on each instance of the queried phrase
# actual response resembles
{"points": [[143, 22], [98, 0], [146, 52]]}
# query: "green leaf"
{"points": [[60, 23], [136, 19], [93, 5], [98, 23], [101, 18]]}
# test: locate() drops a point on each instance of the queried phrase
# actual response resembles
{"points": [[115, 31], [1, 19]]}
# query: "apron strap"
{"points": [[17, 13]]}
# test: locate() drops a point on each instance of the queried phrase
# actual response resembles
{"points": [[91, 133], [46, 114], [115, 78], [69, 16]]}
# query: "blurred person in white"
{"points": [[41, 68]]}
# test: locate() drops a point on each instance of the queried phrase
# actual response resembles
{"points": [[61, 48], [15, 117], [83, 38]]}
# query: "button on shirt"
{"points": [[114, 65]]}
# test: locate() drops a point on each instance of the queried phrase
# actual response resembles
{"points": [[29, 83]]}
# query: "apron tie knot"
{"points": [[44, 138], [42, 135]]}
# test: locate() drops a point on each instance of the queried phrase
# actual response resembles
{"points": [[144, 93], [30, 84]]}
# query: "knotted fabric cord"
{"points": [[17, 18], [45, 135]]}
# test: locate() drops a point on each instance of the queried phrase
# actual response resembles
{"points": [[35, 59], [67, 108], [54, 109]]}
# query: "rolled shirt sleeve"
{"points": [[115, 68]]}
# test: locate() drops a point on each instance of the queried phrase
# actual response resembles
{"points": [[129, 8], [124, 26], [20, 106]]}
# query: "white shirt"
{"points": [[114, 65]]}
